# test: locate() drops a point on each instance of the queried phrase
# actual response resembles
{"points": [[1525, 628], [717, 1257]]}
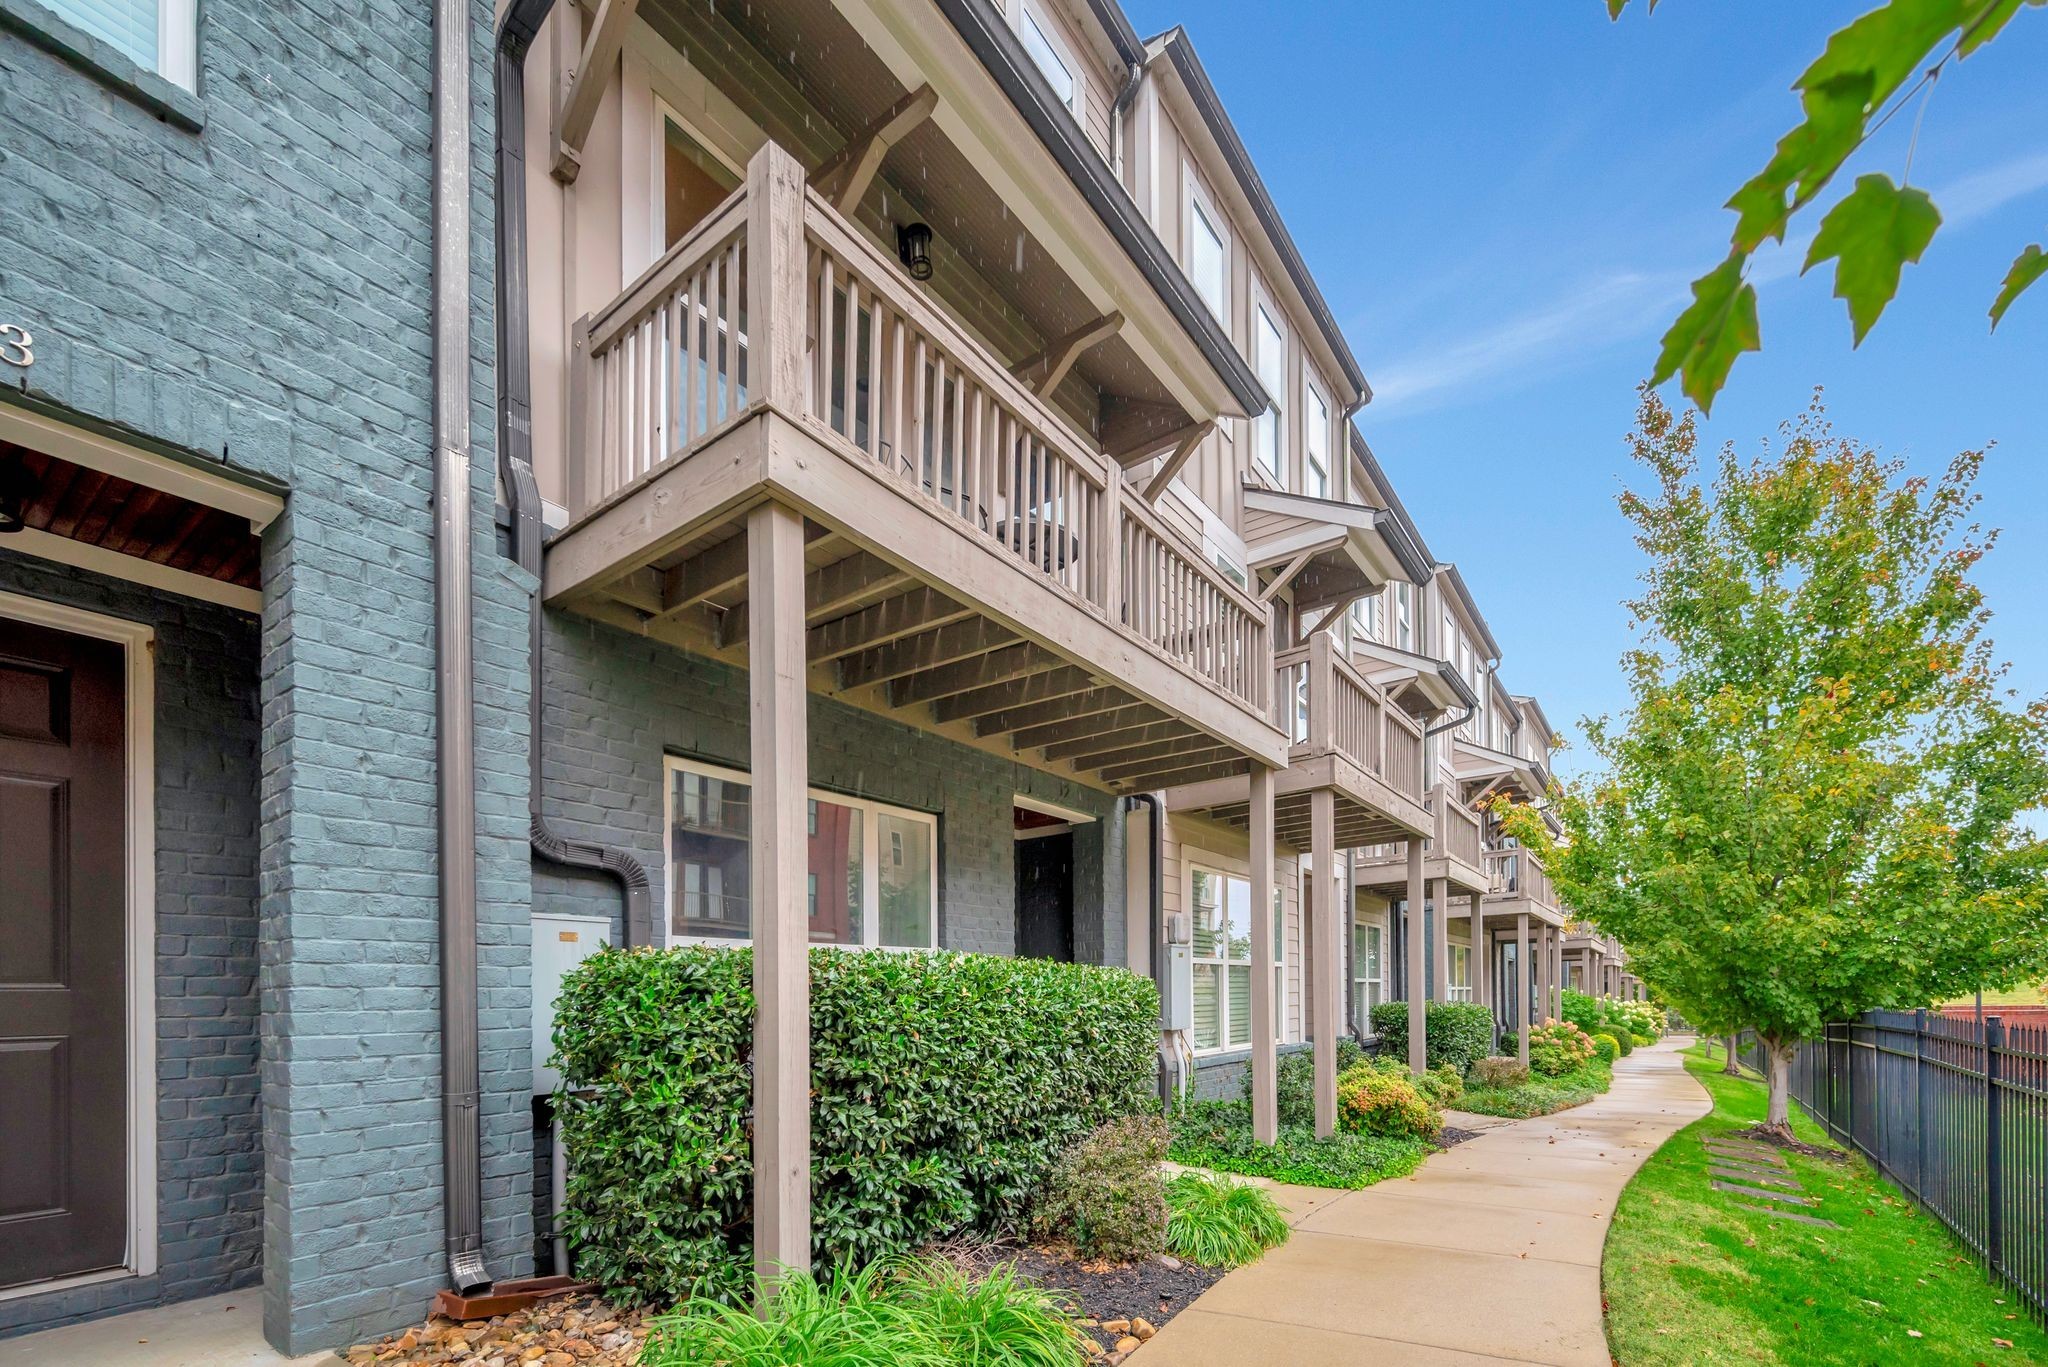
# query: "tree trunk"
{"points": [[1732, 1067], [1778, 1059]]}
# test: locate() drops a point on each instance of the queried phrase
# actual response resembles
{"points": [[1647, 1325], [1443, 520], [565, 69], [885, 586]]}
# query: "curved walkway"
{"points": [[1488, 1253]]}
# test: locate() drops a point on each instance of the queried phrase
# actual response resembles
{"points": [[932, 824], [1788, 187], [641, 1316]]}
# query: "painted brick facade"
{"points": [[255, 293], [614, 704], [209, 1155]]}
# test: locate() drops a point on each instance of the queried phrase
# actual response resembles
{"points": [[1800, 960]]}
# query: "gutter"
{"points": [[454, 691], [1000, 51], [516, 33]]}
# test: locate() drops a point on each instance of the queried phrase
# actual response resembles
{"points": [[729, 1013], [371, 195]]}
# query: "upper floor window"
{"points": [[694, 181], [1269, 429], [1051, 56], [157, 35], [1206, 255], [1315, 445]]}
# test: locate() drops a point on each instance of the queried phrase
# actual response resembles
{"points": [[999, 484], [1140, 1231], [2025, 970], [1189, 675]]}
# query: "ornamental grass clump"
{"points": [[944, 1087], [893, 1313], [1216, 1222], [1106, 1198]]}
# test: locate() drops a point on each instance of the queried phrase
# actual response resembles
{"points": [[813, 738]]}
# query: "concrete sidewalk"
{"points": [[1488, 1253]]}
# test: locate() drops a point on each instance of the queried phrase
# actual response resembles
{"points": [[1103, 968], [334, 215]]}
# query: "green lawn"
{"points": [[1692, 1278], [2036, 995]]}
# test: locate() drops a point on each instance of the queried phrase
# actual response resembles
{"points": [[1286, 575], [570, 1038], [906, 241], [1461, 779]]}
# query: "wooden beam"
{"points": [[846, 175], [828, 592], [1009, 662], [1280, 580], [1137, 429], [1335, 614], [776, 861], [1170, 467], [907, 614], [1170, 775], [923, 653], [1097, 741], [1089, 703], [1051, 732], [997, 698], [1178, 748], [1042, 371], [1216, 752], [587, 83]]}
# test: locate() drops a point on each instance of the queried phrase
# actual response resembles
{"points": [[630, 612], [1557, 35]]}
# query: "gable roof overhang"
{"points": [[1527, 779], [1432, 682], [1469, 608], [1343, 549]]}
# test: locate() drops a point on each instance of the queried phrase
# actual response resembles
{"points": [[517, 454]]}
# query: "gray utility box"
{"points": [[1177, 984], [559, 944]]}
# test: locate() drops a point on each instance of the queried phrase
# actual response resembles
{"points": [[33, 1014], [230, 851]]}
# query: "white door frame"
{"points": [[138, 644]]}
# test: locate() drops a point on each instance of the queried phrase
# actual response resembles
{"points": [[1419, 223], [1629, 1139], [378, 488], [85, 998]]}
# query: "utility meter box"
{"points": [[1177, 984], [559, 944]]}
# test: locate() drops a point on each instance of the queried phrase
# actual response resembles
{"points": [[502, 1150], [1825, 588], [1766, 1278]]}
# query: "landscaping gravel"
{"points": [[568, 1331]]}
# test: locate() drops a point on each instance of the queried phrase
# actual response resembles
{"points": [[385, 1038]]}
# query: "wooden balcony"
{"points": [[1518, 883], [973, 565], [1345, 736], [1452, 853]]}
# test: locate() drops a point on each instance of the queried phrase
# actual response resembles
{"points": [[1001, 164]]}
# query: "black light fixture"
{"points": [[914, 248], [14, 491]]}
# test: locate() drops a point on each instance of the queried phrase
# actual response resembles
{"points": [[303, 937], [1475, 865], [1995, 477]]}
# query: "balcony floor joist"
{"points": [[905, 615], [1368, 811], [1390, 876]]}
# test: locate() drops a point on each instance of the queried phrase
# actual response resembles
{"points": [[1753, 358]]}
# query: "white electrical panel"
{"points": [[1177, 988], [559, 944]]}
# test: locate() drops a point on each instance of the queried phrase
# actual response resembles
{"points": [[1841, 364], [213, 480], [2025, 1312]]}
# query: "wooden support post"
{"points": [[1265, 1057], [1525, 987], [1418, 973], [1328, 959], [846, 175], [1440, 926], [778, 862], [1480, 956], [594, 66], [776, 274]]}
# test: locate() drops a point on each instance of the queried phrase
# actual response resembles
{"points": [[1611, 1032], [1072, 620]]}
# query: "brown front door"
{"points": [[63, 932]]}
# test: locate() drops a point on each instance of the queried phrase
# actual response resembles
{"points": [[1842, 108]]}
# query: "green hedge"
{"points": [[944, 1087], [1457, 1033]]}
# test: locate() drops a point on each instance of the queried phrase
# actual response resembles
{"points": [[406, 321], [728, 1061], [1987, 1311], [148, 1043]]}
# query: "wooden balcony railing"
{"points": [[1457, 826], [1519, 873], [847, 343], [1328, 707]]}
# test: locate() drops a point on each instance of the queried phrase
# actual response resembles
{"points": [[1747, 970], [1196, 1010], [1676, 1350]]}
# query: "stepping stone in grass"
{"points": [[1791, 1215], [1740, 1145], [1760, 1160], [1749, 1164], [1761, 1179], [1760, 1194]]}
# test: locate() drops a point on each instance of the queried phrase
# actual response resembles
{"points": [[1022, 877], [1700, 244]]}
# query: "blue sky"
{"points": [[1504, 204]]}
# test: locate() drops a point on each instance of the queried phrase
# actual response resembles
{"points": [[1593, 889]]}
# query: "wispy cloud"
{"points": [[1628, 305]]}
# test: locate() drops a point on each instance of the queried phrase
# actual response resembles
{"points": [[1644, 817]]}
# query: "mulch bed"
{"points": [[1111, 1299], [1451, 1135]]}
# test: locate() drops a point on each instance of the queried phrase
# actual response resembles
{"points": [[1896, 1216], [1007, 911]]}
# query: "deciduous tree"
{"points": [[1814, 804]]}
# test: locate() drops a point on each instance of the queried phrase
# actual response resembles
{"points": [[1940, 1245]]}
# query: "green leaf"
{"points": [[1615, 7], [1875, 230], [2029, 266], [1719, 325], [1889, 43], [1981, 30], [1805, 160]]}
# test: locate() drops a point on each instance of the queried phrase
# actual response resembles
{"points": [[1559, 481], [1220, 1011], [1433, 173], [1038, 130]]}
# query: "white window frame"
{"points": [[1458, 971], [1220, 869], [1315, 441], [1368, 990], [871, 862], [1404, 617], [177, 39], [1032, 19], [1273, 421], [1198, 203]]}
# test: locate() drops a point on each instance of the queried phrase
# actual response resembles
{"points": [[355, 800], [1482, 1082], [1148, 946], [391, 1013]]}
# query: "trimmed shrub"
{"points": [[1216, 1222], [1583, 1010], [1558, 1047], [1642, 1019], [1606, 1047], [943, 1088], [1296, 1080], [1379, 1101], [1499, 1071], [1105, 1197], [1623, 1040], [1218, 1135], [1441, 1085], [1542, 1095], [1456, 1033]]}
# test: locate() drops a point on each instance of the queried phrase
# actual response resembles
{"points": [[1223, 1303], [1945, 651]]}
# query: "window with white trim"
{"points": [[157, 35], [872, 880], [1368, 972], [1050, 55], [1222, 906], [1207, 256], [1269, 429], [1460, 972], [1315, 445], [1404, 630]]}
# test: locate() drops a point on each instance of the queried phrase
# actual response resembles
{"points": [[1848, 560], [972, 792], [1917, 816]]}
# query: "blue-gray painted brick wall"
{"points": [[209, 1161], [615, 704], [256, 294]]}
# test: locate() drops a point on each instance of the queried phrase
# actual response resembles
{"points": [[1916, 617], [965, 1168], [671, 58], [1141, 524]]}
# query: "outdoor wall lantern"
{"points": [[914, 247]]}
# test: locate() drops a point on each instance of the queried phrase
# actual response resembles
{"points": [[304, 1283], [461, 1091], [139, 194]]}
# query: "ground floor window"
{"points": [[1368, 983], [873, 877], [1222, 907], [1461, 973]]}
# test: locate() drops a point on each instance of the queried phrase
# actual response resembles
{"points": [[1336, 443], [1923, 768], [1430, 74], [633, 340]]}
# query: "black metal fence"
{"points": [[1954, 1112]]}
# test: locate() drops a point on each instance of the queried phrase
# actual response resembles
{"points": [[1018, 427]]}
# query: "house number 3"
{"points": [[14, 345]]}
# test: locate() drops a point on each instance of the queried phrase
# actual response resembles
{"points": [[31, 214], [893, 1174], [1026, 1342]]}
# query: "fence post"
{"points": [[1994, 1125], [1920, 1102]]}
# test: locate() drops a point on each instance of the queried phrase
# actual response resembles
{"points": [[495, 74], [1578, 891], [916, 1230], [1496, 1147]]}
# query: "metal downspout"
{"points": [[455, 720], [516, 33]]}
